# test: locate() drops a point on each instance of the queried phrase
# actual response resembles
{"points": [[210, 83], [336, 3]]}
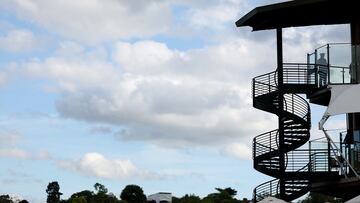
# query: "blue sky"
{"points": [[154, 93]]}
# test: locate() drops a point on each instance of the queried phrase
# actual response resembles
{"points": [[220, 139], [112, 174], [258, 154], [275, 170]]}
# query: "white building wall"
{"points": [[161, 196]]}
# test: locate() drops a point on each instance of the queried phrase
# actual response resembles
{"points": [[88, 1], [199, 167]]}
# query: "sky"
{"points": [[149, 92]]}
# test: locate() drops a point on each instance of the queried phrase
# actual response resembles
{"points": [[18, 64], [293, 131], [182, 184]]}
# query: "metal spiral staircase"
{"points": [[296, 124]]}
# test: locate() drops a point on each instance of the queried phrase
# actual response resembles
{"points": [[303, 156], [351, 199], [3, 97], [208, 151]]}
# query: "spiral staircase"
{"points": [[297, 169]]}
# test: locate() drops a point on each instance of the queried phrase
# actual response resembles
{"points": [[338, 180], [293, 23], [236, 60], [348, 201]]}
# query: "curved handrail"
{"points": [[296, 105], [269, 188], [295, 109]]}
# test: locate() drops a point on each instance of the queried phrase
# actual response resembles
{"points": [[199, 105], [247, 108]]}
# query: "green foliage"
{"points": [[229, 191], [88, 195], [100, 189], [222, 196], [53, 191], [133, 194], [105, 198], [189, 199], [80, 199], [226, 195], [175, 200], [5, 199]]}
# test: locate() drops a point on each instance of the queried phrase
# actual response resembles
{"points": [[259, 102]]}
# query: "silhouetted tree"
{"points": [[53, 191], [222, 196], [24, 201], [100, 189], [80, 199], [189, 199], [231, 192], [5, 199], [133, 194], [88, 195], [175, 199]]}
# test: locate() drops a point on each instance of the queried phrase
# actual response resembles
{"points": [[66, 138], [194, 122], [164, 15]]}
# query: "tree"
{"points": [[190, 199], [5, 199], [88, 195], [222, 196], [24, 201], [133, 194], [53, 191], [231, 192], [80, 199], [101, 189]]}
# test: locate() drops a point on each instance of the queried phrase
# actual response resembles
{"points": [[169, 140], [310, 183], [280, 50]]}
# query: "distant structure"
{"points": [[325, 167], [160, 197]]}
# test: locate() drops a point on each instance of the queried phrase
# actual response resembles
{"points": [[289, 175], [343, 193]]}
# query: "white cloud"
{"points": [[8, 147], [19, 40], [237, 150], [16, 153], [97, 165], [144, 56], [94, 21], [216, 15], [158, 94], [8, 138], [162, 95]]}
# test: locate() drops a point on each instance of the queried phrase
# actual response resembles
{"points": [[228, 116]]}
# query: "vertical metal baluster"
{"points": [[316, 70], [328, 65]]}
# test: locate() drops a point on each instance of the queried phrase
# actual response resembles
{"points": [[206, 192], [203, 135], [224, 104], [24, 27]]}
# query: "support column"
{"points": [[353, 119], [281, 107]]}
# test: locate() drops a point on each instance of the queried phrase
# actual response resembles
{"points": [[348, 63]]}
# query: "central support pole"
{"points": [[281, 108]]}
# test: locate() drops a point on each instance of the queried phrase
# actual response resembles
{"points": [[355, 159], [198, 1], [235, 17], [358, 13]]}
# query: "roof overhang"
{"points": [[301, 13]]}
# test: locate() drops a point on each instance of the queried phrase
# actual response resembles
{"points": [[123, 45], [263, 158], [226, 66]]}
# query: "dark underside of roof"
{"points": [[301, 13]]}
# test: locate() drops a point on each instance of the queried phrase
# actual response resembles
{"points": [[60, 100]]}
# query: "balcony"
{"points": [[334, 63]]}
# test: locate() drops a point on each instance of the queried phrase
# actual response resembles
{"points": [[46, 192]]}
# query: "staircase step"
{"points": [[300, 127], [295, 137], [300, 132], [296, 133]]}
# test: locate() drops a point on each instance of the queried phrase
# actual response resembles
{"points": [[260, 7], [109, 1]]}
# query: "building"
{"points": [[333, 169], [160, 197]]}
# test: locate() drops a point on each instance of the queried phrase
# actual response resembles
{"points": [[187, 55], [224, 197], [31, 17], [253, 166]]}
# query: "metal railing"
{"points": [[299, 73], [264, 84], [270, 188], [335, 63], [265, 143], [297, 106], [325, 157], [314, 160]]}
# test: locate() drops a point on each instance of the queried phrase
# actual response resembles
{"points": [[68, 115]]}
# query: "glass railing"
{"points": [[333, 63]]}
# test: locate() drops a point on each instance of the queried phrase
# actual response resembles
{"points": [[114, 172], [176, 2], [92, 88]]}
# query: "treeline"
{"points": [[130, 194], [135, 194]]}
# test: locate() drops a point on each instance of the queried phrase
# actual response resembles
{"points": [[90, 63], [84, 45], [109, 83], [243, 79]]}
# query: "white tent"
{"points": [[354, 200], [344, 99], [272, 200]]}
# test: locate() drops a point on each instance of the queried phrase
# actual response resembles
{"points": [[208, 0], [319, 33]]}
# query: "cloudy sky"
{"points": [[147, 92]]}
